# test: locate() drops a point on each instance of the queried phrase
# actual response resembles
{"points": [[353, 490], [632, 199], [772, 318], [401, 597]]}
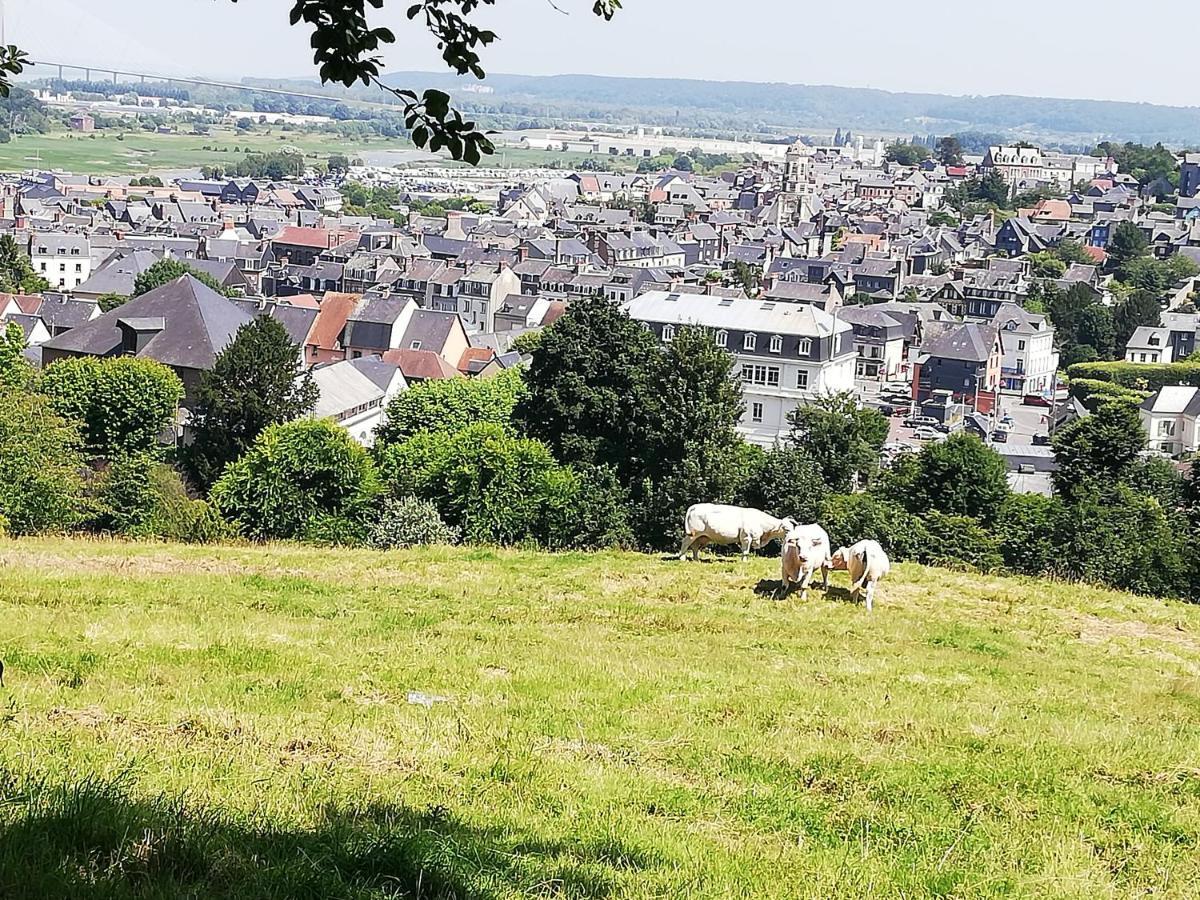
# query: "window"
{"points": [[802, 379], [668, 332], [776, 344], [415, 345], [762, 375], [1020, 345], [722, 338], [756, 412], [1166, 429], [78, 267], [805, 347], [748, 342]]}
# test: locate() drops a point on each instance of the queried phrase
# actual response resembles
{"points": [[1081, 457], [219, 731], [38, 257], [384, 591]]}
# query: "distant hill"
{"points": [[745, 105]]}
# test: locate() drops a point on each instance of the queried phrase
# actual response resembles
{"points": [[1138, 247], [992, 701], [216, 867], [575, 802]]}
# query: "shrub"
{"points": [[409, 522], [4, 526], [1092, 392], [850, 518], [140, 497], [957, 542], [788, 483], [451, 405], [1138, 376], [960, 476], [122, 405], [1025, 532], [41, 488], [293, 473]]}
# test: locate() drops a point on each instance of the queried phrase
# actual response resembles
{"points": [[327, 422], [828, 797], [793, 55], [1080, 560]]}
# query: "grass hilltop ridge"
{"points": [[285, 721]]}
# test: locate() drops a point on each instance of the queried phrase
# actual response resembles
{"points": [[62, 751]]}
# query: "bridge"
{"points": [[144, 77]]}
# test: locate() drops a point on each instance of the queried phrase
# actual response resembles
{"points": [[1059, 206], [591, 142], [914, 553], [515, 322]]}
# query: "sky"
{"points": [[1032, 47]]}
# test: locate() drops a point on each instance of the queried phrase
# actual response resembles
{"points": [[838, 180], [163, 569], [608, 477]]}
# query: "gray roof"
{"points": [[198, 324], [118, 274], [60, 312], [970, 341], [431, 328]]}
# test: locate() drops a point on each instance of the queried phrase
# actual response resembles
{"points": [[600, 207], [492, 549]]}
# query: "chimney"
{"points": [[454, 229], [522, 252]]}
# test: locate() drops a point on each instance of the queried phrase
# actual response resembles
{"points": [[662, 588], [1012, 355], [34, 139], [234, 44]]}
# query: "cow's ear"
{"points": [[816, 542]]}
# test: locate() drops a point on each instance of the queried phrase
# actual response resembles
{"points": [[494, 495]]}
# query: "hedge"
{"points": [[1092, 392], [1139, 376]]}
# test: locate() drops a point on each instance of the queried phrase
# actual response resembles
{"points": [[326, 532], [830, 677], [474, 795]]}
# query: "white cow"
{"points": [[866, 562], [805, 549], [713, 523]]}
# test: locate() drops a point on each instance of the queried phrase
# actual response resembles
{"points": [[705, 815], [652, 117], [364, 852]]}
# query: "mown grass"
{"points": [[236, 722]]}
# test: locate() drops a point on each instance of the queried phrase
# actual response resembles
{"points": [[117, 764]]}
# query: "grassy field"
{"points": [[140, 152], [300, 723]]}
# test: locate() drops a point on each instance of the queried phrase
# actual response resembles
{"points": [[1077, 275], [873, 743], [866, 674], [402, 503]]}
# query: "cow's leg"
{"points": [[805, 581], [683, 548], [870, 594], [745, 540], [825, 575]]}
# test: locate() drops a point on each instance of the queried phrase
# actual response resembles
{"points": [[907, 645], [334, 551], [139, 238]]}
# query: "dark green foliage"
{"points": [[14, 370], [990, 189], [451, 405], [501, 489], [1100, 449], [256, 381], [960, 542], [122, 405], [167, 270], [1025, 532], [960, 476], [16, 271], [108, 302], [41, 488], [1138, 376], [1084, 326], [1146, 164], [854, 517], [1092, 392], [294, 475], [843, 439], [140, 497], [1125, 243], [787, 482], [1141, 308], [949, 151], [906, 154]]}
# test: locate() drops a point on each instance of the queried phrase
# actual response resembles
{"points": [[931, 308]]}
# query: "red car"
{"points": [[1036, 400]]}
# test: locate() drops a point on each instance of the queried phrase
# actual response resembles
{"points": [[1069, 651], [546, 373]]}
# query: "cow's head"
{"points": [[840, 559], [805, 545]]}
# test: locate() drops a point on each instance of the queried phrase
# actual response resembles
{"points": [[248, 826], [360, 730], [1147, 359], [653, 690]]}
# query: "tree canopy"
{"points": [[167, 270]]}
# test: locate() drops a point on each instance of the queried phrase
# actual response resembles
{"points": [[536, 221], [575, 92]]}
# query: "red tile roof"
{"points": [[422, 365]]}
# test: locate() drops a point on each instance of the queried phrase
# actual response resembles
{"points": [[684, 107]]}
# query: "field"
{"points": [[140, 152], [289, 722]]}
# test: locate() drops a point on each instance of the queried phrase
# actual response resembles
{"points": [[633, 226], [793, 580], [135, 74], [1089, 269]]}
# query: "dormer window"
{"points": [[415, 345], [776, 344], [668, 332], [749, 342], [804, 348], [722, 338]]}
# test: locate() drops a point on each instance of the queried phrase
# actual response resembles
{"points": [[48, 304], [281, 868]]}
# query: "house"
{"points": [[422, 365], [1030, 362], [786, 353], [1171, 419], [81, 121], [1149, 345], [1014, 164], [1189, 175], [62, 313], [324, 341], [963, 359], [301, 246], [183, 324], [878, 343], [63, 259], [355, 394], [482, 293]]}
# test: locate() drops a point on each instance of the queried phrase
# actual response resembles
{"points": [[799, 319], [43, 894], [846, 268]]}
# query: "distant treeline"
{"points": [[109, 88]]}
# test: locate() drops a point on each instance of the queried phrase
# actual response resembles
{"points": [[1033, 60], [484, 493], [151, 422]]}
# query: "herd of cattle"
{"points": [[805, 547]]}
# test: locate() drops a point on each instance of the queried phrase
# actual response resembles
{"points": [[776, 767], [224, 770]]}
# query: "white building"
{"points": [[1171, 419], [1149, 345], [64, 260], [1015, 164], [785, 353], [1030, 362], [355, 394]]}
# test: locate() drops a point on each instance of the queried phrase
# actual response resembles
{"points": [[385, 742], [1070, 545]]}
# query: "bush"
{"points": [[4, 526], [122, 405], [788, 483], [41, 488], [292, 474], [451, 405], [1138, 376], [960, 542], [1025, 531], [409, 522], [850, 518], [139, 497], [1092, 392], [960, 476]]}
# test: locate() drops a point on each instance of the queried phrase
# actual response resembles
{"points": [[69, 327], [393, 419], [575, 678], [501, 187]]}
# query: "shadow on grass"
{"points": [[92, 839]]}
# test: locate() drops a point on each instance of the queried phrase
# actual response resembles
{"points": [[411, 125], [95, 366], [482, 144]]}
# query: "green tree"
{"points": [[1125, 243], [960, 476], [41, 488], [108, 302], [167, 270], [339, 162], [16, 271], [14, 370], [906, 154], [1101, 448], [122, 405], [941, 218], [682, 163], [747, 276], [451, 405], [255, 382], [1046, 264], [294, 475], [787, 482], [1141, 308], [949, 151], [1025, 530], [1071, 251], [843, 439]]}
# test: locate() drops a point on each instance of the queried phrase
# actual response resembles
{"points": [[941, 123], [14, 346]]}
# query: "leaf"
{"points": [[420, 135]]}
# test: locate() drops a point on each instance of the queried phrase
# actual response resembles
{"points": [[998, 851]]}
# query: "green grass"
{"points": [[234, 722], [142, 152]]}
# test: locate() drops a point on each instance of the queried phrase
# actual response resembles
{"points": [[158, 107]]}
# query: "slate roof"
{"points": [[198, 323], [970, 341]]}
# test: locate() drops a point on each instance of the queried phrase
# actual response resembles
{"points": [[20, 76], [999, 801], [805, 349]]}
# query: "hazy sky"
{"points": [[1097, 49]]}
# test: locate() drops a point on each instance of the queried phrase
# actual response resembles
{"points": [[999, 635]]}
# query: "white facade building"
{"points": [[64, 260], [786, 354], [1030, 362], [1171, 418]]}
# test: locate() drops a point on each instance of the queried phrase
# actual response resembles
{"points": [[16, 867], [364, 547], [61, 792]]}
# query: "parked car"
{"points": [[1000, 437], [926, 433], [1036, 400], [1004, 426], [920, 422], [949, 427], [886, 410], [1041, 440]]}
